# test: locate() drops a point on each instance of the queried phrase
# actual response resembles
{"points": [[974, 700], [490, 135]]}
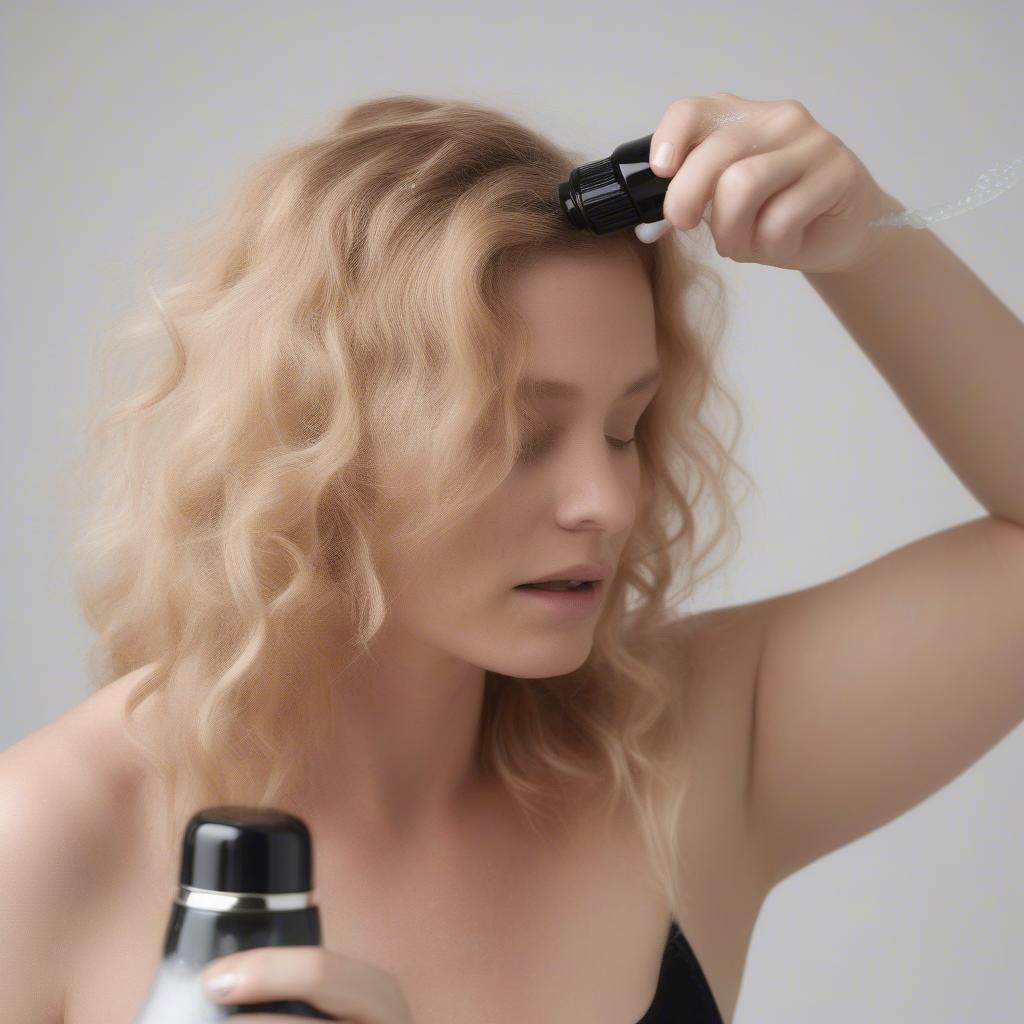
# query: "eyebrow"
{"points": [[563, 389]]}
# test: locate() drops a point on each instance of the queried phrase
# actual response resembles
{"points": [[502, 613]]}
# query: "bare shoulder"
{"points": [[713, 656], [64, 792], [85, 755]]}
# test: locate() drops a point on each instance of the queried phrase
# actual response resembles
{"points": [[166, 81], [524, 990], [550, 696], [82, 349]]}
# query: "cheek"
{"points": [[469, 575], [464, 612], [451, 588]]}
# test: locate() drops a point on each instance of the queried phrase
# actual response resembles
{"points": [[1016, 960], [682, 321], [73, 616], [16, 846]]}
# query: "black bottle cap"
{"points": [[594, 197], [617, 192], [246, 849]]}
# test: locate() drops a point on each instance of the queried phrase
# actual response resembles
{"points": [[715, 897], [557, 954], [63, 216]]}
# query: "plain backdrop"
{"points": [[124, 122]]}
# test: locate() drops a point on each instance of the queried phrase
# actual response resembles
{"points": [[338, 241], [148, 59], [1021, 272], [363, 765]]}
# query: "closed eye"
{"points": [[541, 440], [531, 449]]}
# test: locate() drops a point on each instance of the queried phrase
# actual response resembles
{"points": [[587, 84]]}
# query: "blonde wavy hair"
{"points": [[341, 382]]}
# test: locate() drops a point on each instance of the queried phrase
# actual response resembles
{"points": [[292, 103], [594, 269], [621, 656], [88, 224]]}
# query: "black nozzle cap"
{"points": [[614, 193], [246, 849], [594, 197]]}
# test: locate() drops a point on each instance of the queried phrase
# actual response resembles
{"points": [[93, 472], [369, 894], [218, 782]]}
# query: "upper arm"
{"points": [[877, 688], [45, 859]]}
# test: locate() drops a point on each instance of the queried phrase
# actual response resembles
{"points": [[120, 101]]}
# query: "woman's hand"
{"points": [[785, 192], [347, 989]]}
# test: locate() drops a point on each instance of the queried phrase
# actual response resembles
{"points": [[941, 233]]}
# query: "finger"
{"points": [[781, 224], [744, 187], [715, 133], [686, 123], [334, 984], [651, 232], [693, 185]]}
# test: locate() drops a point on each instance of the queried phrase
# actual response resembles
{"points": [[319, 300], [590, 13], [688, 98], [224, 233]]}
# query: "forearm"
{"points": [[952, 352]]}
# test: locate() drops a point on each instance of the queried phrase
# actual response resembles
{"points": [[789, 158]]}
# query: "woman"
{"points": [[318, 520]]}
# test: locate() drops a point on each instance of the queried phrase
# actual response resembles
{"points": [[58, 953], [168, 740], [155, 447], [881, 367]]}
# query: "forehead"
{"points": [[590, 317]]}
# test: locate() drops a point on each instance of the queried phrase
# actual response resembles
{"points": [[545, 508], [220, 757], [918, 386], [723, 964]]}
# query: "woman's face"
{"points": [[572, 496]]}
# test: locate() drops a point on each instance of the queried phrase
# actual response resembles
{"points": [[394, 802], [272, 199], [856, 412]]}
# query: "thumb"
{"points": [[651, 232]]}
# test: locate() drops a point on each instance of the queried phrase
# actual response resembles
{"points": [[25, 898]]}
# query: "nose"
{"points": [[598, 486]]}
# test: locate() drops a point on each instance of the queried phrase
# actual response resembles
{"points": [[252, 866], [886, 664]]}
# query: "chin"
{"points": [[554, 655]]}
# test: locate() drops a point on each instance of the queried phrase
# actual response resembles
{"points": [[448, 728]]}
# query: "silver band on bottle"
{"points": [[210, 899]]}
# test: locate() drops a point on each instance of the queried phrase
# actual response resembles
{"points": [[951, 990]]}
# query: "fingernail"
{"points": [[220, 984], [663, 156]]}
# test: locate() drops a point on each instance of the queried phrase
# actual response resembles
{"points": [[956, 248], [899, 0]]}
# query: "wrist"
{"points": [[880, 240]]}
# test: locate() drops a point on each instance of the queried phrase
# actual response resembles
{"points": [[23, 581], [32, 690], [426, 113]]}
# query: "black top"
{"points": [[683, 992]]}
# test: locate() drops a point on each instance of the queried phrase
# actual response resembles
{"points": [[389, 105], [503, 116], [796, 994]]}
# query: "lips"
{"points": [[589, 571]]}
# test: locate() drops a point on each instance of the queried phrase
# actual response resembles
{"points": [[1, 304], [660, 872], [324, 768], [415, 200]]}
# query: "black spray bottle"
{"points": [[246, 880], [617, 192]]}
